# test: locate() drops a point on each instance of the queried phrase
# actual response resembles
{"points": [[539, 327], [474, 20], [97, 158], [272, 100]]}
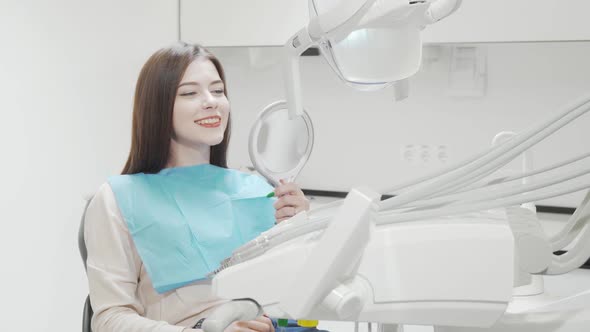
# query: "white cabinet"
{"points": [[271, 22], [241, 22], [513, 21]]}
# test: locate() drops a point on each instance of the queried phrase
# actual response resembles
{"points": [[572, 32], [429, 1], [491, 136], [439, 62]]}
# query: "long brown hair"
{"points": [[153, 105]]}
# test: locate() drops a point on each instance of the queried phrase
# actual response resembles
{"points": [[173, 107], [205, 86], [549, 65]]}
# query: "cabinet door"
{"points": [[513, 21], [241, 22]]}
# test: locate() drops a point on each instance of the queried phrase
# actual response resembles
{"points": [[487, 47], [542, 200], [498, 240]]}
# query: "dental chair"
{"points": [[87, 313]]}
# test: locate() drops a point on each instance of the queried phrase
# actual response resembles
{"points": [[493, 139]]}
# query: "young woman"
{"points": [[175, 177]]}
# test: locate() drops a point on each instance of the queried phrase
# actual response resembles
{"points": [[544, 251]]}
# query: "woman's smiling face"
{"points": [[201, 108]]}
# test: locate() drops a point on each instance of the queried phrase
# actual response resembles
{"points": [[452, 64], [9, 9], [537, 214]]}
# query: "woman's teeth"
{"points": [[208, 121]]}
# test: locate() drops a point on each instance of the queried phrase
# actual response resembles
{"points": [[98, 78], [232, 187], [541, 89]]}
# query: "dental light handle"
{"points": [[440, 9], [227, 313]]}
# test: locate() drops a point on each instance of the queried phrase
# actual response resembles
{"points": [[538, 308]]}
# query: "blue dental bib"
{"points": [[184, 221]]}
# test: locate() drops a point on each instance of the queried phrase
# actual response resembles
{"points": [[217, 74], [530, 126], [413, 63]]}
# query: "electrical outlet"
{"points": [[442, 153], [424, 153], [408, 153]]}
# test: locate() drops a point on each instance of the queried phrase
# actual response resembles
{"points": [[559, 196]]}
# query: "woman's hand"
{"points": [[291, 201], [260, 324]]}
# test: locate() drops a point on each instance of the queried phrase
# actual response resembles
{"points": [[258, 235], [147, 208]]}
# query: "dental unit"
{"points": [[459, 249]]}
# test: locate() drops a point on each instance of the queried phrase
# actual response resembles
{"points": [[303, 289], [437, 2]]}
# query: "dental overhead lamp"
{"points": [[370, 44]]}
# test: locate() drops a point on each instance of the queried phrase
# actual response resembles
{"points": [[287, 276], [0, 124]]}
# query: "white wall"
{"points": [[67, 76], [361, 137]]}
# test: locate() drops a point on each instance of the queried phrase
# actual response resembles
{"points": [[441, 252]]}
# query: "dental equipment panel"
{"points": [[454, 249], [381, 273], [464, 257]]}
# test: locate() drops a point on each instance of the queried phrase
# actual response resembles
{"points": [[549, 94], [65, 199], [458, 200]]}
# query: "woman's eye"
{"points": [[218, 91], [190, 93]]}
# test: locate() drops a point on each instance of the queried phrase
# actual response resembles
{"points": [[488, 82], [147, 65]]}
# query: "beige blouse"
{"points": [[121, 293]]}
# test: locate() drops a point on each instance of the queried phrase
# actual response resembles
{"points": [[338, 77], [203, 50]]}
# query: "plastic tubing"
{"points": [[388, 217], [496, 157]]}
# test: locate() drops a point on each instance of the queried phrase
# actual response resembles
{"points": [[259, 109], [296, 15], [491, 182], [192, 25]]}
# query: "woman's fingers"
{"points": [[288, 206], [298, 200], [291, 201], [265, 320], [288, 200], [260, 324], [256, 325], [285, 213], [287, 188], [242, 326], [280, 220], [239, 326]]}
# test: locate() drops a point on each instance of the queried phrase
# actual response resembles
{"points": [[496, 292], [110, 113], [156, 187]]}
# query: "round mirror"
{"points": [[279, 147]]}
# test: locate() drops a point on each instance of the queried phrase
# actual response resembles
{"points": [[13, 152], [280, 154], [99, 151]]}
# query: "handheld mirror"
{"points": [[279, 147]]}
